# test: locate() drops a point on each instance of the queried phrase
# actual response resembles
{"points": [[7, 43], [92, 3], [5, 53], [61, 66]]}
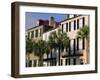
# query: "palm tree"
{"points": [[57, 40], [65, 41], [40, 48], [47, 50], [52, 43], [62, 42], [84, 33], [28, 49]]}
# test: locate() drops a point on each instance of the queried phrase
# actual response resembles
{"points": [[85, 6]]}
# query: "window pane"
{"points": [[35, 62]]}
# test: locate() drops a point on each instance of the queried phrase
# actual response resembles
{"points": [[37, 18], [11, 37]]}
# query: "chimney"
{"points": [[39, 22], [51, 21]]}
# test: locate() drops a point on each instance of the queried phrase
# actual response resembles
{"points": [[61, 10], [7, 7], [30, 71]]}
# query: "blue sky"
{"points": [[31, 18]]}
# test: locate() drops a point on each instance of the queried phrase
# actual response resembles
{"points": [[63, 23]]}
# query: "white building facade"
{"points": [[76, 53]]}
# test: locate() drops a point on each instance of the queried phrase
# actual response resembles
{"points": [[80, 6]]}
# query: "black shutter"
{"points": [[77, 43], [74, 25], [66, 27], [74, 46], [83, 43], [69, 61], [62, 28], [83, 21], [66, 62], [78, 24], [74, 61]]}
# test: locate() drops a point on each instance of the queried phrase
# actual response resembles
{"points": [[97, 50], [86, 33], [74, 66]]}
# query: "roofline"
{"points": [[51, 29], [56, 27], [33, 28], [71, 18]]}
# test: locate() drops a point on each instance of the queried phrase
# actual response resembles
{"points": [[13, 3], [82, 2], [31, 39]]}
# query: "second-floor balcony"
{"points": [[72, 53]]}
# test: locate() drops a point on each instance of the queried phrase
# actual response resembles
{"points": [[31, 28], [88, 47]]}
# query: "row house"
{"points": [[76, 52]]}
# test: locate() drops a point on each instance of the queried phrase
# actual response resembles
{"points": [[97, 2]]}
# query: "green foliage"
{"points": [[29, 45], [39, 48], [84, 32], [58, 39]]}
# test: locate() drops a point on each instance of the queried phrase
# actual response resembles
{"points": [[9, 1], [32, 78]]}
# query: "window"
{"points": [[32, 34], [77, 43], [83, 43], [69, 47], [78, 24], [35, 62], [61, 62], [69, 26], [62, 27], [66, 27], [30, 63], [26, 64], [69, 61], [36, 35], [83, 21], [74, 61], [66, 63], [74, 24], [28, 34], [53, 63], [74, 46]]}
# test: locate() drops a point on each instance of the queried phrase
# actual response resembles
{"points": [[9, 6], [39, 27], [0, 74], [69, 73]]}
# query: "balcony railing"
{"points": [[49, 59], [73, 53]]}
